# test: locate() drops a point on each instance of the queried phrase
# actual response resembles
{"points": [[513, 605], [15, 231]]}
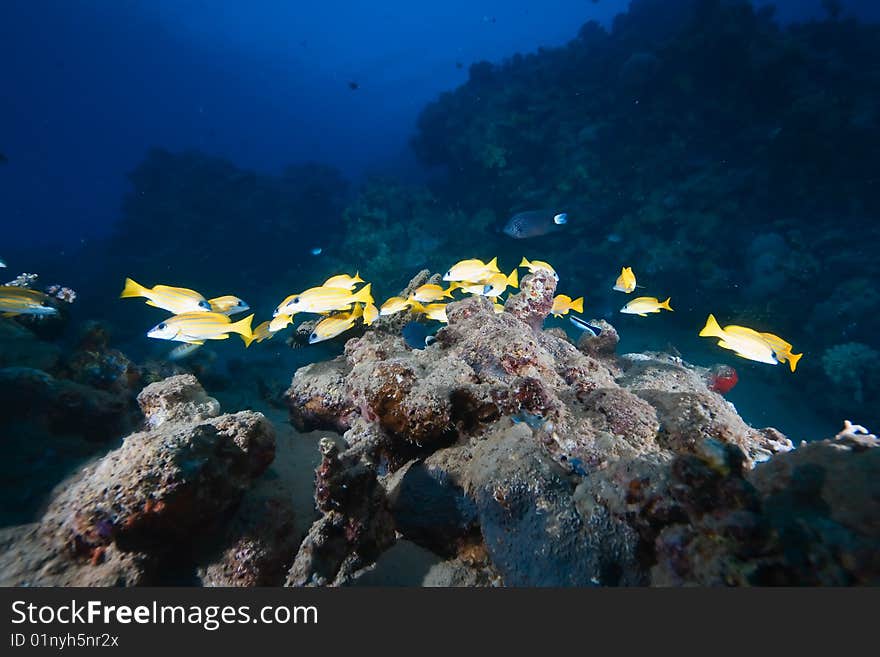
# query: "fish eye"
{"points": [[162, 326], [313, 336], [295, 300], [204, 304]]}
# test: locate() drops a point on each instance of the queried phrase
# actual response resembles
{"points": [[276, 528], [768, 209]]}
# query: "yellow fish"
{"points": [[473, 271], [535, 265], [781, 349], [641, 306], [195, 328], [176, 300], [279, 322], [395, 305], [334, 325], [16, 300], [743, 341], [626, 282], [263, 332], [562, 303], [370, 314], [435, 311], [430, 292], [493, 286], [323, 299], [228, 305], [344, 281]]}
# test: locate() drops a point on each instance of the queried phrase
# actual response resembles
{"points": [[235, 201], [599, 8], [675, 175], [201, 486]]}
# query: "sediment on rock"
{"points": [[567, 466]]}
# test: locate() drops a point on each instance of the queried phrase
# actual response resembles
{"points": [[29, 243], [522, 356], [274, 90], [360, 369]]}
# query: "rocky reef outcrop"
{"points": [[567, 465], [130, 517]]}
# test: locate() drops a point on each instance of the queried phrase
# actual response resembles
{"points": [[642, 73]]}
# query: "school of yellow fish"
{"points": [[344, 300]]}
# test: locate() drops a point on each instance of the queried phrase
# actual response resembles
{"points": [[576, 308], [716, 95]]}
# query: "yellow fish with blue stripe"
{"points": [[536, 265], [472, 271], [15, 300], [196, 328], [626, 282], [334, 325], [344, 281], [562, 304], [494, 286], [323, 299], [176, 300], [279, 322], [751, 344], [642, 306], [370, 313], [228, 305], [396, 305], [430, 292], [435, 311]]}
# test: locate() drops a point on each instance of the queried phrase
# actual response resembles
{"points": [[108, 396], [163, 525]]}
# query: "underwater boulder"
{"points": [[532, 528], [258, 543], [62, 407], [355, 526], [19, 347], [147, 502], [178, 398]]}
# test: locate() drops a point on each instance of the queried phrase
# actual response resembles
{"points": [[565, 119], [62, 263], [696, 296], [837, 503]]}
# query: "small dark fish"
{"points": [[3, 159], [459, 65], [583, 326], [353, 85], [418, 335], [534, 224]]}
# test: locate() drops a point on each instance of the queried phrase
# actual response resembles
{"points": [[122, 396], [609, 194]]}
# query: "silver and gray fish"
{"points": [[534, 224], [2, 264]]}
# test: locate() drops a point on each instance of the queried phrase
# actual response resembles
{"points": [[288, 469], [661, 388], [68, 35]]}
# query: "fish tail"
{"points": [[513, 279], [793, 361], [132, 289], [665, 304], [712, 329], [363, 295], [577, 305], [357, 277], [493, 264], [416, 306], [524, 263], [243, 328]]}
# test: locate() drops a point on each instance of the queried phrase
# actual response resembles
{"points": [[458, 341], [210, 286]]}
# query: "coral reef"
{"points": [[565, 466], [144, 505], [658, 162], [854, 369]]}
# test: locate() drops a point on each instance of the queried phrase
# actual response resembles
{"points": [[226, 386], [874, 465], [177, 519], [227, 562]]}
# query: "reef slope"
{"points": [[536, 462]]}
